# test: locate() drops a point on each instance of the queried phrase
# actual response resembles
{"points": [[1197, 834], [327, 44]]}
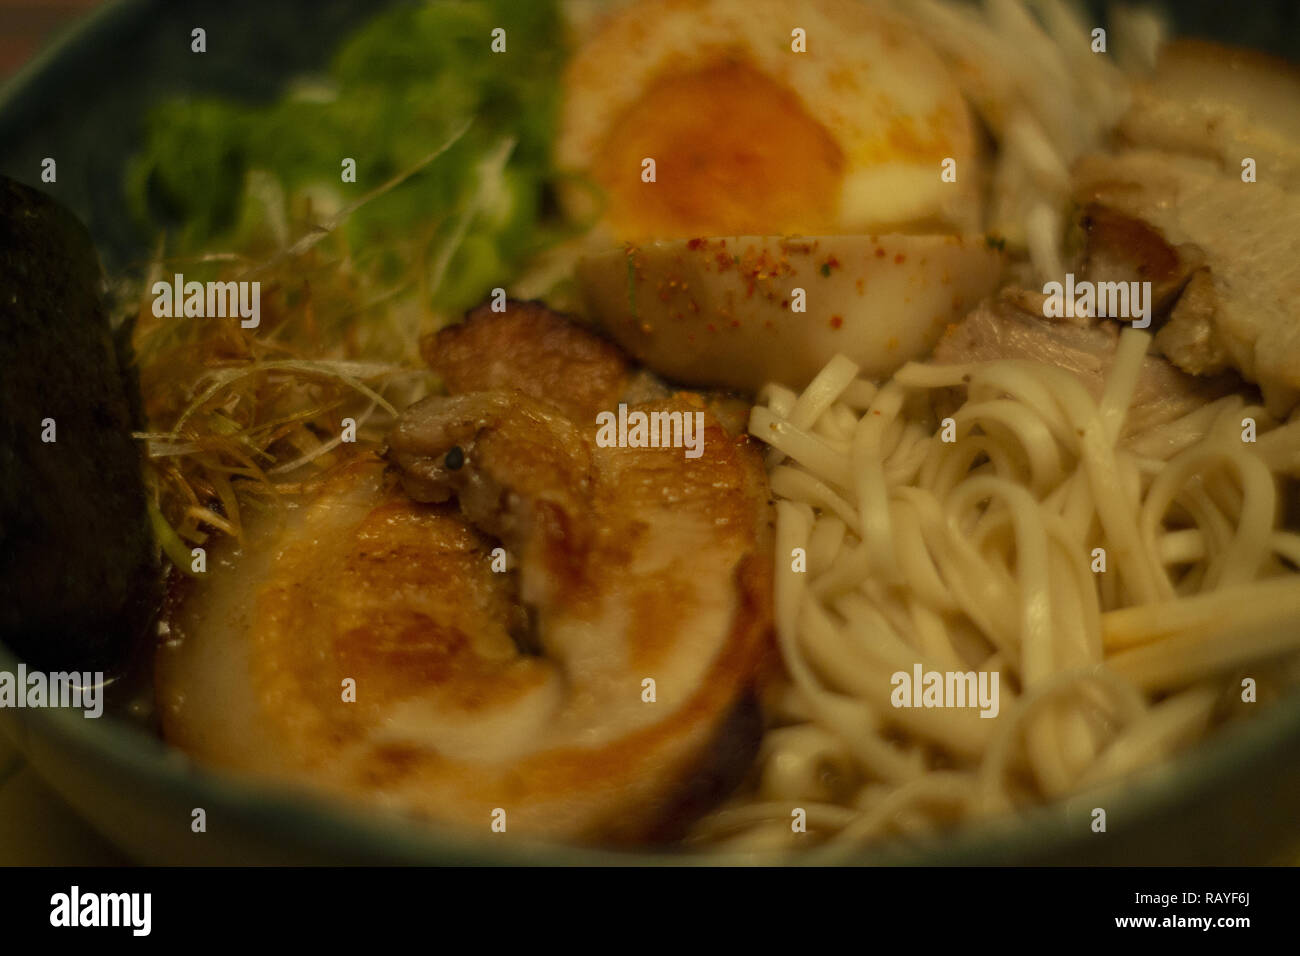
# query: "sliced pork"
{"points": [[1231, 254], [537, 630], [1003, 328]]}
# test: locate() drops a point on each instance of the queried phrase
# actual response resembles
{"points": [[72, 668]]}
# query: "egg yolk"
{"points": [[735, 153]]}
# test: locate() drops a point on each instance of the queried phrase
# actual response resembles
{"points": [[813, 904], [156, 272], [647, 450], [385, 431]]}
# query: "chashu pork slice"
{"points": [[1231, 258], [1221, 103], [531, 623], [1004, 328]]}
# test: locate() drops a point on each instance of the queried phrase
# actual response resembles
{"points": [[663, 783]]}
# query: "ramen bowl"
{"points": [[1231, 800]]}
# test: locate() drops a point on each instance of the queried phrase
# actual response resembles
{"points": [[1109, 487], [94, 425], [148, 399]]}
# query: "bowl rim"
{"points": [[353, 833]]}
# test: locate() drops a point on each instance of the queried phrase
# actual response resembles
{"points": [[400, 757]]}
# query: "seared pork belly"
{"points": [[535, 623], [1002, 328], [1172, 208], [1122, 248], [549, 356], [1220, 103], [530, 349], [1233, 247]]}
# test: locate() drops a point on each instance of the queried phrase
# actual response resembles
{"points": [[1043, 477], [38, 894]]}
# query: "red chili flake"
{"points": [[711, 327], [695, 244], [899, 259], [880, 253], [837, 321], [860, 287], [735, 323], [785, 303]]}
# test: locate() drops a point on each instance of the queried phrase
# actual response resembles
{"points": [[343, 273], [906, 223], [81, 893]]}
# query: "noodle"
{"points": [[1116, 583]]}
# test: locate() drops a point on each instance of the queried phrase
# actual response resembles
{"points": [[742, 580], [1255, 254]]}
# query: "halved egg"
{"points": [[745, 310]]}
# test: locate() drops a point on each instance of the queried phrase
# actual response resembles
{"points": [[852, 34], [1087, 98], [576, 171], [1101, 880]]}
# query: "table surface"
{"points": [[27, 25], [37, 828]]}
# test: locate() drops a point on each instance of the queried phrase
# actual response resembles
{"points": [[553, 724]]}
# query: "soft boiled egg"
{"points": [[773, 117], [743, 311], [720, 131]]}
